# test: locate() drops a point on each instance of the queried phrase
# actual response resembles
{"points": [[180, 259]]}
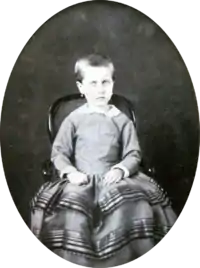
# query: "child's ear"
{"points": [[80, 86]]}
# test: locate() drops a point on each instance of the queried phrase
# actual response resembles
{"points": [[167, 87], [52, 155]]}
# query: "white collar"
{"points": [[113, 111]]}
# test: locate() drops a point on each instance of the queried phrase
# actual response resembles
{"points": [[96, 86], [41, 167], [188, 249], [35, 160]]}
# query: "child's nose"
{"points": [[101, 89]]}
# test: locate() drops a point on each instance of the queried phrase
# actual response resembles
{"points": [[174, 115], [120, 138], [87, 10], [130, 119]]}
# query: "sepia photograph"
{"points": [[100, 134]]}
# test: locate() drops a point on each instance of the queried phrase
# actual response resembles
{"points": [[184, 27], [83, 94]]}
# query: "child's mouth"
{"points": [[100, 98]]}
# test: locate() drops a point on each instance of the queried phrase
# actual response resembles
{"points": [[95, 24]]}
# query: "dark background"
{"points": [[150, 72]]}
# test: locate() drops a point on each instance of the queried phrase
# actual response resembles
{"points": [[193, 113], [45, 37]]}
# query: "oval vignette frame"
{"points": [[10, 141]]}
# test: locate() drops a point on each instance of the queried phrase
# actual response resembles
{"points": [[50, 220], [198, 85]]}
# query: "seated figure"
{"points": [[102, 210]]}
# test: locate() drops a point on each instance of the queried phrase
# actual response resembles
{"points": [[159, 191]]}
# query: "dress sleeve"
{"points": [[131, 153], [62, 149]]}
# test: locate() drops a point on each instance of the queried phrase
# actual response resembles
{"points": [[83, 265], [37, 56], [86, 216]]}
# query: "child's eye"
{"points": [[106, 82], [93, 83]]}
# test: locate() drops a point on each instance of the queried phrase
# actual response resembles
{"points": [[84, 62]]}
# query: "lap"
{"points": [[61, 195], [138, 188], [138, 182]]}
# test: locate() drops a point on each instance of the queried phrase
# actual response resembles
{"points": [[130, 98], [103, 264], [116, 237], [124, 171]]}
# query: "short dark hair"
{"points": [[92, 60]]}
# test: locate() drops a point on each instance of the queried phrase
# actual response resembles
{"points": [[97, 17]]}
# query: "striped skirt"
{"points": [[98, 226]]}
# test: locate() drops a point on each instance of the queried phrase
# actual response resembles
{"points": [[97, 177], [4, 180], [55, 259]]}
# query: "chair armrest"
{"points": [[48, 170], [147, 169], [151, 172]]}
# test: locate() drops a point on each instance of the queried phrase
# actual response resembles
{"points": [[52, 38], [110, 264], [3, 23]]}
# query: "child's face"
{"points": [[97, 85]]}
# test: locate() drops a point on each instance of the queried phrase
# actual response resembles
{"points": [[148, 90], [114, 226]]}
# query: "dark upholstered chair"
{"points": [[63, 107]]}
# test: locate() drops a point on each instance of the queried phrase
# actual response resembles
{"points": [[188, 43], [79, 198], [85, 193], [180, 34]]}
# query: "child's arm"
{"points": [[131, 154], [62, 149]]}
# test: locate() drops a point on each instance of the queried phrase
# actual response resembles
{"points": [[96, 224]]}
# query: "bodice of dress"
{"points": [[93, 142], [96, 144]]}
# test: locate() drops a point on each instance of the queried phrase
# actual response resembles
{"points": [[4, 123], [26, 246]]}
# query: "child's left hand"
{"points": [[113, 176]]}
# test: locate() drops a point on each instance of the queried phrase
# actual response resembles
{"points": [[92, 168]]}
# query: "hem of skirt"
{"points": [[92, 262], [128, 254]]}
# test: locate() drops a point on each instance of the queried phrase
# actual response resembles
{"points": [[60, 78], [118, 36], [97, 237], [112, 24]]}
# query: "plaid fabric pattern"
{"points": [[55, 201]]}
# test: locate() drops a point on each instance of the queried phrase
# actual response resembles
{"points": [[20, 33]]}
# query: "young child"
{"points": [[97, 155]]}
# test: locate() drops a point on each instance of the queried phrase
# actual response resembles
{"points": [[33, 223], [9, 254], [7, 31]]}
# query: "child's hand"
{"points": [[77, 178], [113, 176]]}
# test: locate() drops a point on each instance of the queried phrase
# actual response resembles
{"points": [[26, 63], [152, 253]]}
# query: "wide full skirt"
{"points": [[98, 226]]}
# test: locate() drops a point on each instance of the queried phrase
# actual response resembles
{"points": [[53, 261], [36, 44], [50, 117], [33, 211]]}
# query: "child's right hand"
{"points": [[77, 178]]}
